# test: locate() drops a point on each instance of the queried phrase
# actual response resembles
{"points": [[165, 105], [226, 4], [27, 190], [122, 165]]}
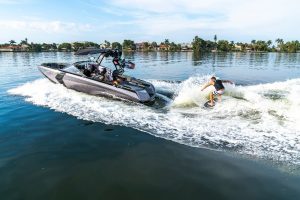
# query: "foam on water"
{"points": [[259, 120]]}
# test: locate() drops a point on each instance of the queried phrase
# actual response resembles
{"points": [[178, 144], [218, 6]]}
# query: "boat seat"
{"points": [[87, 73]]}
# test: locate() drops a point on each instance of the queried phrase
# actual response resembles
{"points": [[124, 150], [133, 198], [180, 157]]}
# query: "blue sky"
{"points": [[148, 20]]}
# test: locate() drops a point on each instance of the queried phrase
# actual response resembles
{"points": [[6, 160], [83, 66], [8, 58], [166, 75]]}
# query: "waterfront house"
{"points": [[139, 46], [102, 46], [186, 46], [163, 47], [6, 49], [238, 47], [11, 48], [248, 49]]}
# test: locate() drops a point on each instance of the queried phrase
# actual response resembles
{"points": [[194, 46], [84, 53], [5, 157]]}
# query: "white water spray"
{"points": [[259, 120]]}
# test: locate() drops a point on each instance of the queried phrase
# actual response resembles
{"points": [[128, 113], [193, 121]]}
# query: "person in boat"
{"points": [[117, 80], [219, 89], [102, 74], [91, 70], [87, 72]]}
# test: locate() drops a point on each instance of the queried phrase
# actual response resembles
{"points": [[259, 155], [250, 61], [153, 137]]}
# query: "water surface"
{"points": [[71, 145]]}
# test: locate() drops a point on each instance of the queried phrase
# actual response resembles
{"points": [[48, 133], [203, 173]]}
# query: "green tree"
{"points": [[91, 44], [24, 42], [174, 47], [12, 42], [232, 45], [167, 42], [215, 38], [198, 44], [154, 45], [129, 45], [45, 47], [35, 47], [107, 44], [253, 45], [77, 46], [280, 43], [116, 45], [261, 45], [291, 47], [53, 47], [65, 47], [146, 46], [224, 45]]}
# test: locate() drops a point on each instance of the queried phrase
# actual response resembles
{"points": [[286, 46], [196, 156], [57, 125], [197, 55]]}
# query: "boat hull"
{"points": [[94, 87]]}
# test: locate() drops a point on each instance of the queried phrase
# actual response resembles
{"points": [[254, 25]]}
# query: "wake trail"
{"points": [[258, 120]]}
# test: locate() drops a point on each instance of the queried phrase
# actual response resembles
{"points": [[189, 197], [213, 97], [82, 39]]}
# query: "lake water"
{"points": [[57, 143]]}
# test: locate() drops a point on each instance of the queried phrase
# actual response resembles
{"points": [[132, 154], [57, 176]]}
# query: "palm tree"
{"points": [[167, 42], [24, 42], [279, 41], [253, 45], [12, 42], [107, 44], [215, 39]]}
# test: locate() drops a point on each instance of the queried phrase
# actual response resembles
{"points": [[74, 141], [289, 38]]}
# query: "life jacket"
{"points": [[219, 85]]}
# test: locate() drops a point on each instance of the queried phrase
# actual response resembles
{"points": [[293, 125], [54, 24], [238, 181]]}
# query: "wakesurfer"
{"points": [[219, 89]]}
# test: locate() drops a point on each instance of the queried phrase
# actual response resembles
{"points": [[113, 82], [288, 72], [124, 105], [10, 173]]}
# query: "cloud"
{"points": [[243, 18], [180, 20], [45, 26], [14, 2], [45, 31]]}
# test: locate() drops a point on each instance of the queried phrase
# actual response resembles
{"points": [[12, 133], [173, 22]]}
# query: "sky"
{"points": [[148, 20]]}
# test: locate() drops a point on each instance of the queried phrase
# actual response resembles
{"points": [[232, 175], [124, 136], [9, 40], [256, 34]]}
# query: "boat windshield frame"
{"points": [[73, 70]]}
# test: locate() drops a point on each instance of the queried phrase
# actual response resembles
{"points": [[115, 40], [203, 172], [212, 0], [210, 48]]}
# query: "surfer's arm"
{"points": [[205, 86], [227, 81]]}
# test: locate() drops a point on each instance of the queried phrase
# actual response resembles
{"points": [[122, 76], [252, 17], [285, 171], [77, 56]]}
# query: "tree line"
{"points": [[197, 45], [201, 45]]}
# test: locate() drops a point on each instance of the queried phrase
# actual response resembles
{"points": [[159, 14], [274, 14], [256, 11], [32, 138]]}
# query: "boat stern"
{"points": [[147, 95]]}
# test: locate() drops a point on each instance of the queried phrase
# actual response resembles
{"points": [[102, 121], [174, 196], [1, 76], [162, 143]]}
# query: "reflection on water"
{"points": [[243, 68]]}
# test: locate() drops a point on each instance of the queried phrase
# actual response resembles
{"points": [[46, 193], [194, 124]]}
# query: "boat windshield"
{"points": [[72, 69]]}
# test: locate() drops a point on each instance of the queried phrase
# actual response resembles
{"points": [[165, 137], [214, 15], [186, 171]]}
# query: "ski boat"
{"points": [[93, 78]]}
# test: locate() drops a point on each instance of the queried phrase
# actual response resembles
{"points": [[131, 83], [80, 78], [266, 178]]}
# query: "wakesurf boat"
{"points": [[93, 78]]}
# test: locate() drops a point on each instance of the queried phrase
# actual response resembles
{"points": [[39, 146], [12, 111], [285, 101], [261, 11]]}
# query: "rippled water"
{"points": [[258, 117]]}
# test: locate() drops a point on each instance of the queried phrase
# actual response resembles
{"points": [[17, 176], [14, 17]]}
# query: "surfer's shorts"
{"points": [[219, 92]]}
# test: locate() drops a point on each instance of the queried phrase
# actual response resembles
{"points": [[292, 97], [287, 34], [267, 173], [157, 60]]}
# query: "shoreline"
{"points": [[126, 51]]}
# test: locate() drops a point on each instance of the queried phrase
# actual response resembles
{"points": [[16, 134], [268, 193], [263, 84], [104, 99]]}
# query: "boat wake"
{"points": [[258, 120]]}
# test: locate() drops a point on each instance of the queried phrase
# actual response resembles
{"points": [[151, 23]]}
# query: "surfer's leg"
{"points": [[220, 93], [211, 97], [219, 98]]}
